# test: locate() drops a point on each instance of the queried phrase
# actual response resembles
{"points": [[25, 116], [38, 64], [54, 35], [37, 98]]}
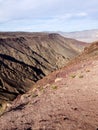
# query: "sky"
{"points": [[48, 15]]}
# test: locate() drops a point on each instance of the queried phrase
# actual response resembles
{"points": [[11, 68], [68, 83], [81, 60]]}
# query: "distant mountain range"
{"points": [[86, 35]]}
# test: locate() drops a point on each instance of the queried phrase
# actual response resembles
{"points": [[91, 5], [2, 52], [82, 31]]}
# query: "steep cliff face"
{"points": [[27, 57]]}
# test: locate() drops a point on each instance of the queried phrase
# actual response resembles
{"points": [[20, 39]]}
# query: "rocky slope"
{"points": [[67, 99], [27, 57]]}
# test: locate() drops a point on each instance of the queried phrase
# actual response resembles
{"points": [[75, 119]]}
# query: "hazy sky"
{"points": [[48, 15]]}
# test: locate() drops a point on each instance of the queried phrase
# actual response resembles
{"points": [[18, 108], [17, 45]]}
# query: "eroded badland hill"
{"points": [[27, 57], [66, 99]]}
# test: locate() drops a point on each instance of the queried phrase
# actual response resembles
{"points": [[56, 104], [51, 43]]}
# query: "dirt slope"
{"points": [[27, 57], [67, 99]]}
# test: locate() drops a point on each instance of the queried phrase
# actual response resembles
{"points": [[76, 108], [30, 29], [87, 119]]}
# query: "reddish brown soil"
{"points": [[67, 101]]}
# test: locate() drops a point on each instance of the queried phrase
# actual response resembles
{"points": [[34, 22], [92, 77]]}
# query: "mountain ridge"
{"points": [[27, 57]]}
